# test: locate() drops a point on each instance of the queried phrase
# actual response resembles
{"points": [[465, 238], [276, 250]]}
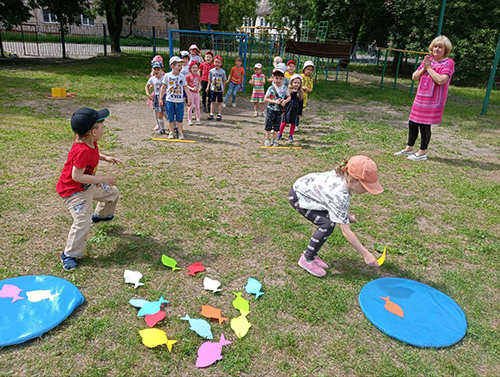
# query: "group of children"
{"points": [[191, 73]]}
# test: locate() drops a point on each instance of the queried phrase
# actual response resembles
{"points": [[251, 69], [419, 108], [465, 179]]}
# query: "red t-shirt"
{"points": [[205, 70], [237, 75], [83, 157], [194, 81]]}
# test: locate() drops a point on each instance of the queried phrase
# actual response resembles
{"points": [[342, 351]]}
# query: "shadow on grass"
{"points": [[490, 166]]}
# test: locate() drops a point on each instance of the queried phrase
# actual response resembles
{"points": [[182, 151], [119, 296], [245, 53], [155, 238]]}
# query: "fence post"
{"points": [[104, 40], [154, 41], [62, 42], [1, 45], [397, 69]]}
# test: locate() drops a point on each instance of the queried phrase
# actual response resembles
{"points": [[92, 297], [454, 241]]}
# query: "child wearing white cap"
{"points": [[258, 81], [307, 80]]}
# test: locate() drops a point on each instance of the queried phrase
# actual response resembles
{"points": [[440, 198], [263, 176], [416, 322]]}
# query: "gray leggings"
{"points": [[319, 218]]}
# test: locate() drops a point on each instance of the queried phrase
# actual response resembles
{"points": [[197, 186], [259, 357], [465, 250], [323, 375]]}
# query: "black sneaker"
{"points": [[97, 219], [219, 117], [69, 263], [176, 130], [210, 117]]}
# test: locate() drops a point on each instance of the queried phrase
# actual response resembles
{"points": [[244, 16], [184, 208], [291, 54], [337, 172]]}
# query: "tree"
{"points": [[231, 13], [132, 9], [290, 13], [13, 12]]}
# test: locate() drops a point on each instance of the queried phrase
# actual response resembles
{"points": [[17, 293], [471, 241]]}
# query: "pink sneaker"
{"points": [[311, 267], [320, 262]]}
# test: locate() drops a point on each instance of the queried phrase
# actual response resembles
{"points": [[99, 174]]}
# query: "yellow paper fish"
{"points": [[154, 337], [240, 325], [381, 260]]}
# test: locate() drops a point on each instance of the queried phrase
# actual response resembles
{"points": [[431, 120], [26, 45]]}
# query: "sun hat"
{"points": [[291, 62], [194, 47], [194, 62], [175, 59], [258, 65], [184, 53], [156, 64], [295, 76], [84, 119], [308, 63], [365, 171]]}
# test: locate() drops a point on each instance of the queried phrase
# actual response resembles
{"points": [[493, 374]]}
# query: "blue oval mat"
{"points": [[32, 305], [413, 312]]}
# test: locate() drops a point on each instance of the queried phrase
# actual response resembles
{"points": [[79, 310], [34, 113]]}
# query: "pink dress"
{"points": [[429, 102]]}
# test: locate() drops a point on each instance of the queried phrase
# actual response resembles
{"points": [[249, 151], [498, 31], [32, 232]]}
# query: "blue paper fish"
{"points": [[147, 307], [254, 287], [199, 326], [241, 303]]}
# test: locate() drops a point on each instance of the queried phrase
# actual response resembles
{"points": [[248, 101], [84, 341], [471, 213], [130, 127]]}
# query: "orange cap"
{"points": [[365, 171]]}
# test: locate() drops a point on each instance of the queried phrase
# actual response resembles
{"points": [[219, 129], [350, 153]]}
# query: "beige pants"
{"points": [[80, 206]]}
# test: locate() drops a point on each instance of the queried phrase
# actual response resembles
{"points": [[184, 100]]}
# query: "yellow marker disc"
{"points": [[281, 147], [175, 140]]}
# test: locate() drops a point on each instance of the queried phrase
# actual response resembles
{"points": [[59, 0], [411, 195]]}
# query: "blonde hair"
{"points": [[277, 60], [341, 169], [441, 40], [300, 92]]}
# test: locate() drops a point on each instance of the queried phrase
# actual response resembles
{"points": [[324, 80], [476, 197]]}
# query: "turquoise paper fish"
{"points": [[147, 307], [254, 287], [199, 326]]}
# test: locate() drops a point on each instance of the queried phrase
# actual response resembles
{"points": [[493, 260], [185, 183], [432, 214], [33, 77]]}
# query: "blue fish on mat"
{"points": [[254, 287], [199, 326], [147, 307]]}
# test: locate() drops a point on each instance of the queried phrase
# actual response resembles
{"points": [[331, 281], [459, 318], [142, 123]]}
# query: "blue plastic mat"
{"points": [[413, 312], [52, 302]]}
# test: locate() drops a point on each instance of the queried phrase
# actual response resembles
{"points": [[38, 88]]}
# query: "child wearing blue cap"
{"points": [[78, 185], [155, 83]]}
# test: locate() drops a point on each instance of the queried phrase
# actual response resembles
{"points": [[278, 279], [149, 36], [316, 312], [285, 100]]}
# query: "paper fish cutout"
{"points": [[393, 307], [240, 325], [199, 326], [153, 319], [210, 352], [381, 260], [195, 268], [155, 337], [254, 287], [147, 307], [211, 285], [133, 277], [169, 262], [241, 303], [11, 291], [211, 312], [35, 296]]}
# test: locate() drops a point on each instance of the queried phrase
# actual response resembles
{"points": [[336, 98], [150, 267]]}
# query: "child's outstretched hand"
{"points": [[352, 218], [113, 160], [370, 260], [110, 181]]}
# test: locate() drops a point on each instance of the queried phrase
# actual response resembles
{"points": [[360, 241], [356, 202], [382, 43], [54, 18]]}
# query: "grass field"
{"points": [[223, 201]]}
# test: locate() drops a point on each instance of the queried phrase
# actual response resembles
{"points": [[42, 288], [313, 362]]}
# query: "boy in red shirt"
{"points": [[205, 68], [235, 81], [78, 185]]}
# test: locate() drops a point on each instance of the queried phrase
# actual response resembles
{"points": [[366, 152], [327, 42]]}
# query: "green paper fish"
{"points": [[169, 262], [241, 303]]}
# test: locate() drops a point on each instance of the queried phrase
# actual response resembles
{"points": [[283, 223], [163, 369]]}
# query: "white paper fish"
{"points": [[36, 296], [133, 277], [212, 285]]}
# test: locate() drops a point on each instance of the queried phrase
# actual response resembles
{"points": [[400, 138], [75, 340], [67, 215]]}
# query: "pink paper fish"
{"points": [[195, 268], [11, 291], [153, 319], [210, 352]]}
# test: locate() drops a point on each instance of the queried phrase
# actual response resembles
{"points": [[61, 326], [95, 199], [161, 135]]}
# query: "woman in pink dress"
{"points": [[434, 74]]}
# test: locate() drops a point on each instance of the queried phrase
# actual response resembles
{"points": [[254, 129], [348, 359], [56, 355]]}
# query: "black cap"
{"points": [[84, 119]]}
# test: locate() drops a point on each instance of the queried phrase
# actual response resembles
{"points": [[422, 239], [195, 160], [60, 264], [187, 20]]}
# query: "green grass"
{"points": [[440, 221]]}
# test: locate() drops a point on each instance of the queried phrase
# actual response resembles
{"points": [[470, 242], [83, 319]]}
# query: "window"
{"points": [[261, 22], [87, 21], [49, 17]]}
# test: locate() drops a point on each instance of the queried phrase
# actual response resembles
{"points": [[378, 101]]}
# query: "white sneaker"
{"points": [[170, 135], [190, 122], [267, 143], [255, 114], [198, 122], [416, 157], [181, 136], [234, 105], [223, 105], [275, 143], [403, 153], [157, 127]]}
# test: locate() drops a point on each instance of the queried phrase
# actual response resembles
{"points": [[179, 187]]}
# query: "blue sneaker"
{"points": [[69, 263], [279, 137], [97, 219], [290, 139]]}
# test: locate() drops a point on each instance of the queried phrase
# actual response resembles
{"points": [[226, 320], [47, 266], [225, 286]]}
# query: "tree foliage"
{"points": [[290, 13], [13, 12]]}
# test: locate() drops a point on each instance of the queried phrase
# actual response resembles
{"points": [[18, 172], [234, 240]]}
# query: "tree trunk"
{"points": [[188, 15], [357, 26], [115, 23]]}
